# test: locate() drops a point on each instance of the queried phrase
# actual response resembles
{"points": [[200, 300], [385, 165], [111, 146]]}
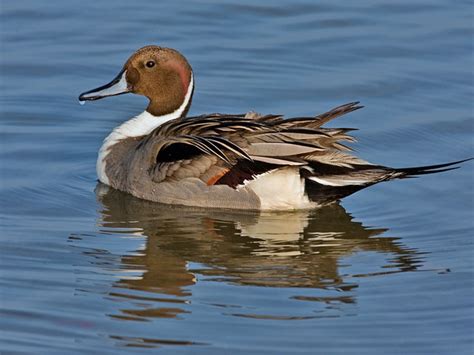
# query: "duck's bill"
{"points": [[118, 86]]}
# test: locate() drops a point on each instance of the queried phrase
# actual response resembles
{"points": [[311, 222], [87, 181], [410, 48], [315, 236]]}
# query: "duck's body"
{"points": [[225, 161]]}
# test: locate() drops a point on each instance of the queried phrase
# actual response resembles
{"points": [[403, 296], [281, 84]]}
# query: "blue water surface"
{"points": [[389, 270]]}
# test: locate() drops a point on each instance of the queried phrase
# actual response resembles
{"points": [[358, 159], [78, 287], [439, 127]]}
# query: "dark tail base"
{"points": [[324, 194]]}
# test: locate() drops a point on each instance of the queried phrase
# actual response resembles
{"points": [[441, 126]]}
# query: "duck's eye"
{"points": [[150, 64]]}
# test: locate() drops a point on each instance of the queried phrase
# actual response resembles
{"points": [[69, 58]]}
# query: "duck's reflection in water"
{"points": [[305, 249]]}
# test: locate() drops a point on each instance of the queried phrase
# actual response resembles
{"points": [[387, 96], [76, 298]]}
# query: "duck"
{"points": [[245, 161]]}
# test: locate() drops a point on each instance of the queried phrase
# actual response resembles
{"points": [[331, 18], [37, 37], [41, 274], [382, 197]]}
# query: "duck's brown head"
{"points": [[161, 74]]}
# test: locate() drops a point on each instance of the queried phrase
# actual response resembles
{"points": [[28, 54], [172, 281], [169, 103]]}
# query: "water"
{"points": [[84, 269]]}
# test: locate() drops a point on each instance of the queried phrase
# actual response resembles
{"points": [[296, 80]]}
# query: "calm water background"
{"points": [[87, 270]]}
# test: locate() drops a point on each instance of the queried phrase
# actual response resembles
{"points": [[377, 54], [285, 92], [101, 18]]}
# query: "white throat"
{"points": [[140, 125]]}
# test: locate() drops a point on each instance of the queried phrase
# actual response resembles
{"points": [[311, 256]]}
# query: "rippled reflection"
{"points": [[305, 249]]}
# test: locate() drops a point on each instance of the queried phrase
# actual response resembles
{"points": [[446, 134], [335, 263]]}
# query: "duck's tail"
{"points": [[327, 185], [429, 169]]}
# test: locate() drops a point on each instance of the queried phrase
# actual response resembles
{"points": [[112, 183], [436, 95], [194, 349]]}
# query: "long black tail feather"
{"points": [[325, 194], [429, 169]]}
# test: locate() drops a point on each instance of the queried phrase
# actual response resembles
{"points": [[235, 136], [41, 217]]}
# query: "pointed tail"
{"points": [[326, 187], [429, 169]]}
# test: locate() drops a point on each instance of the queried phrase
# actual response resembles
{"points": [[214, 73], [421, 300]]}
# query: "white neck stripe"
{"points": [[145, 122], [140, 125]]}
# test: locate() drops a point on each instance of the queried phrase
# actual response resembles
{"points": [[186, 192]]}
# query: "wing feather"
{"points": [[264, 142]]}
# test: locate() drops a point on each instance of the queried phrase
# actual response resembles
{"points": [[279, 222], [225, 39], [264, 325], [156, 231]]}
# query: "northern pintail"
{"points": [[244, 161]]}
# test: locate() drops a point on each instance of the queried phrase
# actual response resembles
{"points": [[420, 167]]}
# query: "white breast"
{"points": [[138, 126]]}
